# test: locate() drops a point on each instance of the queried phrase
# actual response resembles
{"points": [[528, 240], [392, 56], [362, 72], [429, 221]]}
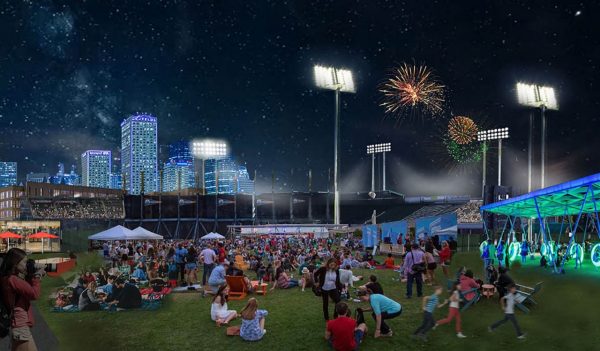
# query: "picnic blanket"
{"points": [[147, 305]]}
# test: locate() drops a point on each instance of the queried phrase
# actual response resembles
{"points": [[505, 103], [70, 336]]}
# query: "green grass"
{"points": [[566, 319]]}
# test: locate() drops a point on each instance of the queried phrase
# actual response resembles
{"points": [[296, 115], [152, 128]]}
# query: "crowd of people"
{"points": [[325, 267], [78, 209]]}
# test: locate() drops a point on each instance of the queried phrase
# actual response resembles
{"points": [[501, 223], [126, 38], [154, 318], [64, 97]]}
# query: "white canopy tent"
{"points": [[145, 234], [115, 233], [212, 236]]}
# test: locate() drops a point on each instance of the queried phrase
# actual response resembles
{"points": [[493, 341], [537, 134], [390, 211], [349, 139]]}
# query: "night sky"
{"points": [[242, 71]]}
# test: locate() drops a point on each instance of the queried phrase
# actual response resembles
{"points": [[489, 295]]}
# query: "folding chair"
{"points": [[237, 287], [525, 295]]}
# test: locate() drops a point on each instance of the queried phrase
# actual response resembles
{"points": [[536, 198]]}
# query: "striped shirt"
{"points": [[432, 301]]}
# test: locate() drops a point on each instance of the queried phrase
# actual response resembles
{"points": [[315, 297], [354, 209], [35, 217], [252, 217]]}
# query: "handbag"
{"points": [[417, 267], [317, 290]]}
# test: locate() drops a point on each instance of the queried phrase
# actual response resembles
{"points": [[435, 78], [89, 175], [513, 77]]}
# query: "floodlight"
{"points": [[536, 96], [207, 149], [546, 95], [334, 79], [526, 94]]}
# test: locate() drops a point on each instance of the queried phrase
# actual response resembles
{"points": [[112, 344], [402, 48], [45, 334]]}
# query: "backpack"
{"points": [[6, 315]]}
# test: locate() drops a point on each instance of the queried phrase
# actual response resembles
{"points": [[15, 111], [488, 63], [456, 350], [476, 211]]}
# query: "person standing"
{"points": [[383, 308], [508, 306], [414, 265], [17, 295], [180, 254], [208, 257], [445, 257], [327, 280]]}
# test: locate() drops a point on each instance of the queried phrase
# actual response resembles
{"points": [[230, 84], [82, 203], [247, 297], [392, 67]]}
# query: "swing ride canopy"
{"points": [[569, 198]]}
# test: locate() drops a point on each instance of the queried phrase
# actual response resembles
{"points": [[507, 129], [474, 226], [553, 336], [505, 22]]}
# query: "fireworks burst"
{"points": [[412, 89], [463, 154], [462, 130]]}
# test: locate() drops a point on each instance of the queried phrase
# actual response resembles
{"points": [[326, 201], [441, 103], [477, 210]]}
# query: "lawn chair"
{"points": [[525, 295], [469, 303], [237, 287]]}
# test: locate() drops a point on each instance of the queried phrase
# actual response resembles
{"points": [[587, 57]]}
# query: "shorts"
{"points": [[21, 334], [191, 266]]}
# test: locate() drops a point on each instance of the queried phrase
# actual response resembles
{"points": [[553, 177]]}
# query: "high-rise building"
{"points": [[72, 178], [8, 174], [244, 184], [178, 171], [116, 181], [232, 178], [95, 168], [139, 148]]}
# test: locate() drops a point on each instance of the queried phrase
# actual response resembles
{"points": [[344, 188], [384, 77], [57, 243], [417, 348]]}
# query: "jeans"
{"points": [[182, 271], [428, 323], [384, 329], [335, 297], [206, 271], [418, 277], [292, 283], [508, 317]]}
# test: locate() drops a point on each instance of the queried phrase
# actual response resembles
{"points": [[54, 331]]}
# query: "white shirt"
{"points": [[209, 256], [329, 283], [510, 303], [455, 304]]}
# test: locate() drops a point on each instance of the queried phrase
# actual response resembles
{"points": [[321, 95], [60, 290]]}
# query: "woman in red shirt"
{"points": [[17, 294], [445, 256]]}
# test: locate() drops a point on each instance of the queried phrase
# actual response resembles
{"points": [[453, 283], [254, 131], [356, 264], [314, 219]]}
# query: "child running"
{"points": [[508, 306], [429, 305], [453, 311]]}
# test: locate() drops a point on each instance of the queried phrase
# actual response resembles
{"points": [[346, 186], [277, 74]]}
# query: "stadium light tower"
{"points": [[543, 98], [377, 149], [489, 135], [210, 149], [340, 81]]}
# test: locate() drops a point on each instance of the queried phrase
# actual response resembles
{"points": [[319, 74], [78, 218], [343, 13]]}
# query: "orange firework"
{"points": [[462, 130], [412, 88]]}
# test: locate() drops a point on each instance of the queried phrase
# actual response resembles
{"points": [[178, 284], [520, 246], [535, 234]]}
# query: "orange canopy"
{"points": [[9, 235], [43, 235]]}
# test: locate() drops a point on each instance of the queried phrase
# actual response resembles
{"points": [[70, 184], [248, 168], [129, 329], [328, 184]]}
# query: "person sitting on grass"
{"points": [[383, 308], [282, 280], [389, 262], [219, 311], [373, 285], [343, 333], [126, 295], [453, 311], [253, 321], [429, 305], [88, 301], [508, 306], [307, 280], [139, 274]]}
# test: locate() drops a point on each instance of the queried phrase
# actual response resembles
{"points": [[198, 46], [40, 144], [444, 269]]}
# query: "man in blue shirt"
{"points": [[180, 254], [217, 277], [383, 308], [414, 257]]}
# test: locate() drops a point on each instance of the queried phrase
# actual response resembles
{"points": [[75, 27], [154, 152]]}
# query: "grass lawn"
{"points": [[567, 318]]}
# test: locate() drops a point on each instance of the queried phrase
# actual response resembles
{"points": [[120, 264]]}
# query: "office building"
{"points": [[232, 178], [95, 168], [116, 181], [65, 178], [37, 177], [178, 171], [139, 151], [8, 174]]}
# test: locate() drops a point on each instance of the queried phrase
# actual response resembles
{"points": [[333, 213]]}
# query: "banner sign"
{"points": [[444, 226], [369, 233], [393, 230]]}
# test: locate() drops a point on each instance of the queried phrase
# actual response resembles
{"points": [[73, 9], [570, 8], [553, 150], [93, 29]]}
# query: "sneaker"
{"points": [[490, 329], [461, 335], [264, 331], [435, 326], [521, 337], [390, 333]]}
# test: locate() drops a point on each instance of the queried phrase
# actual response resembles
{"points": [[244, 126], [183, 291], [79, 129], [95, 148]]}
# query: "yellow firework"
{"points": [[462, 130], [412, 88]]}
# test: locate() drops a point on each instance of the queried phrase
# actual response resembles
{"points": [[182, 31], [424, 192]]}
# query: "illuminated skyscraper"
{"points": [[8, 174], [232, 177], [178, 171], [139, 151], [95, 168]]}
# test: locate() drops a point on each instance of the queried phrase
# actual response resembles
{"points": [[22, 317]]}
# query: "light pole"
{"points": [[338, 80], [488, 135], [544, 98], [378, 149]]}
